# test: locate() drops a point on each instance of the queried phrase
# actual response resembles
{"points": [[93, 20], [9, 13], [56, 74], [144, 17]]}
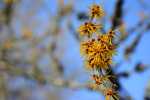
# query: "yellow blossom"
{"points": [[100, 78], [111, 94], [97, 54], [96, 11], [88, 28], [107, 38]]}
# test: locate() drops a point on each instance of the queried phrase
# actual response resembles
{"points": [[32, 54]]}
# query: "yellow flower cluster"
{"points": [[98, 51], [96, 11], [99, 79], [111, 94], [89, 28]]}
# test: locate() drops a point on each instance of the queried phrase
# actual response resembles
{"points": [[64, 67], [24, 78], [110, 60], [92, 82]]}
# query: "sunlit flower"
{"points": [[96, 11], [98, 51], [111, 94], [98, 54], [100, 78], [89, 28], [107, 38]]}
